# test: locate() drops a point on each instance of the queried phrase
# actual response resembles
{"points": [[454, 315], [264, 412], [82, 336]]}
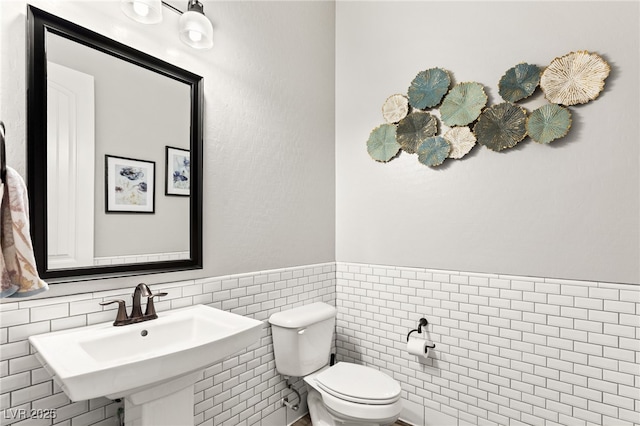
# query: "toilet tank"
{"points": [[302, 338]]}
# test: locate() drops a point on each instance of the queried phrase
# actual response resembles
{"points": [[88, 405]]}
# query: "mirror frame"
{"points": [[38, 23]]}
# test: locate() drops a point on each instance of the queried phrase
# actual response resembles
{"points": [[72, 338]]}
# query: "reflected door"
{"points": [[71, 168]]}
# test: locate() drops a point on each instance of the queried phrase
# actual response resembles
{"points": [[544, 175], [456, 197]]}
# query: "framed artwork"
{"points": [[130, 185], [178, 172]]}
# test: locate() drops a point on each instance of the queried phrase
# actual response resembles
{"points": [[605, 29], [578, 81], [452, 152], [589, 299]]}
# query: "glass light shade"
{"points": [[145, 11], [196, 30]]}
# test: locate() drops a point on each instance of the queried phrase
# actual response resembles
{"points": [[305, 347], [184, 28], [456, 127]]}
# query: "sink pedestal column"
{"points": [[167, 404]]}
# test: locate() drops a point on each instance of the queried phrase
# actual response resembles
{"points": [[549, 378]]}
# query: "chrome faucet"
{"points": [[136, 312]]}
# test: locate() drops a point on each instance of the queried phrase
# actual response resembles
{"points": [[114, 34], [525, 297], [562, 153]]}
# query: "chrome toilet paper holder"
{"points": [[421, 323]]}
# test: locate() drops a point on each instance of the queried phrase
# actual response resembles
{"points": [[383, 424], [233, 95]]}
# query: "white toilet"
{"points": [[344, 394]]}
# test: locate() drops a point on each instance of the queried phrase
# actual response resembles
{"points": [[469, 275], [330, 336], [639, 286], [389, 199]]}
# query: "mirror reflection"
{"points": [[108, 125], [122, 144]]}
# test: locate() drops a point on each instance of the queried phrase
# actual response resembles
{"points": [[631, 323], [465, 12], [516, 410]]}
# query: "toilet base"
{"points": [[321, 415]]}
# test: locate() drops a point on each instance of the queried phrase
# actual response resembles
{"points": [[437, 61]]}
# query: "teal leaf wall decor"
{"points": [[428, 88], [463, 104], [414, 129], [433, 151], [463, 118], [519, 82], [382, 144], [548, 123], [501, 126]]}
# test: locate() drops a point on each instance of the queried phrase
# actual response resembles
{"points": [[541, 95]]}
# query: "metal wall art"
{"points": [[463, 104], [433, 151], [382, 144], [576, 78], [548, 123], [519, 82], [395, 108], [415, 128], [413, 125], [501, 126], [428, 88], [461, 139]]}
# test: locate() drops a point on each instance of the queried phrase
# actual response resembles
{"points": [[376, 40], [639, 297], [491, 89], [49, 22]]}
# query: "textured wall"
{"points": [[568, 210], [269, 174], [510, 350]]}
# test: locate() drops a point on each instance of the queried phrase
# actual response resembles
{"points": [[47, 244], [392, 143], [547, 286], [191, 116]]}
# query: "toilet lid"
{"points": [[358, 383]]}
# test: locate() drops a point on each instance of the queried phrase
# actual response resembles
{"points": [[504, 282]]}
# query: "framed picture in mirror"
{"points": [[178, 171], [130, 185]]}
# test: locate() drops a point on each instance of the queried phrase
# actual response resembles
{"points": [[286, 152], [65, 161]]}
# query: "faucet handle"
{"points": [[151, 309], [121, 316]]}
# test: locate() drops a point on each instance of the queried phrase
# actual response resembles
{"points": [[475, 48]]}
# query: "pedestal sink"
{"points": [[153, 365]]}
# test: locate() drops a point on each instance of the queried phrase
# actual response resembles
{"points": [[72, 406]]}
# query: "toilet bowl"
{"points": [[344, 394], [351, 394]]}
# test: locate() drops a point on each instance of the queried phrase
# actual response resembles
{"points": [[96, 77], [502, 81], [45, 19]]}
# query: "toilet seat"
{"points": [[351, 412], [358, 384]]}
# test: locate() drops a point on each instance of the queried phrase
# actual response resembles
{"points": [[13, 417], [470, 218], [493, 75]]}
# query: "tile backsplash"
{"points": [[244, 389], [510, 350]]}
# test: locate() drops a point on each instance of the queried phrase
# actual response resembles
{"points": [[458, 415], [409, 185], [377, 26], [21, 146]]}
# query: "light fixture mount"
{"points": [[195, 6]]}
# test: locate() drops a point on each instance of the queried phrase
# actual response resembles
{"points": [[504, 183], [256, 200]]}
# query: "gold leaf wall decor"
{"points": [[395, 108], [501, 126], [414, 129], [575, 78], [461, 139], [459, 118]]}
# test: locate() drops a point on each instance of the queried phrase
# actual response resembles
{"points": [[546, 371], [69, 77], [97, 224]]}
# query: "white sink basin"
{"points": [[103, 360]]}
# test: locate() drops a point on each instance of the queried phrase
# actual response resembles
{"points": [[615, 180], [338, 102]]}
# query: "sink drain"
{"points": [[144, 333]]}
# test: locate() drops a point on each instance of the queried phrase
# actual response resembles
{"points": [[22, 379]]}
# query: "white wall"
{"points": [[268, 135], [568, 210]]}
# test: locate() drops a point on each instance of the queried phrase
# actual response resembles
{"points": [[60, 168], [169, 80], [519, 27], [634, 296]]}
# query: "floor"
{"points": [[306, 421]]}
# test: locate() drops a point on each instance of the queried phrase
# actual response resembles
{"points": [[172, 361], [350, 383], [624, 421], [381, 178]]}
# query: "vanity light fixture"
{"points": [[144, 11], [195, 28]]}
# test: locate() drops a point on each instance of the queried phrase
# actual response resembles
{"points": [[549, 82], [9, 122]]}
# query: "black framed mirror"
{"points": [[114, 156]]}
